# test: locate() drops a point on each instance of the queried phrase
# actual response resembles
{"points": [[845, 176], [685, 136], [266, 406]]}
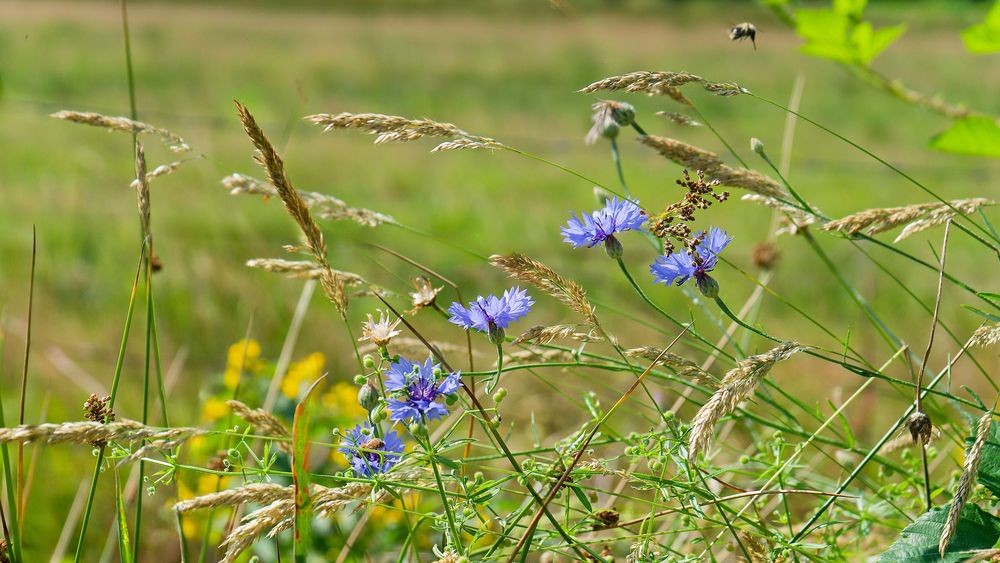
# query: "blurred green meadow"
{"points": [[505, 71]]}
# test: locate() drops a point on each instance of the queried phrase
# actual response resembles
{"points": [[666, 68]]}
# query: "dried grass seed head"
{"points": [[570, 293], [966, 483], [738, 384], [173, 142]]}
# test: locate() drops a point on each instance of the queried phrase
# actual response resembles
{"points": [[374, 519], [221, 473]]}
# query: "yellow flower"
{"points": [[342, 401], [305, 371], [244, 353], [209, 483], [214, 409], [231, 378]]}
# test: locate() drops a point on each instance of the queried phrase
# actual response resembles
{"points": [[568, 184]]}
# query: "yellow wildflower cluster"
{"points": [[243, 356], [302, 373]]}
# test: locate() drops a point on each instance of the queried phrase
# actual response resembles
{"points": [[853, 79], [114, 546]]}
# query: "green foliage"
{"points": [[977, 136], [977, 529], [839, 33], [984, 38]]}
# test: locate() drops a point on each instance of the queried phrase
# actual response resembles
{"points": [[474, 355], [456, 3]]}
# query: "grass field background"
{"points": [[500, 71]]}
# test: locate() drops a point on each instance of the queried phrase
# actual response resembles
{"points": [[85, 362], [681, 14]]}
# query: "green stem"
{"points": [[456, 536], [889, 166], [617, 158], [496, 378], [111, 402], [668, 316]]}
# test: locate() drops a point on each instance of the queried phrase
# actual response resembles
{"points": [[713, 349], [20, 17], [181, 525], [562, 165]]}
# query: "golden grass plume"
{"points": [[738, 384], [917, 217], [966, 482], [659, 83], [570, 293], [322, 205], [541, 334], [264, 422], [173, 142], [695, 158], [396, 129], [295, 205], [681, 365], [986, 335]]}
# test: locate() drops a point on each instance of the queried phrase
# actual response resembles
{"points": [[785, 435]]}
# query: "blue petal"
{"points": [[675, 268]]}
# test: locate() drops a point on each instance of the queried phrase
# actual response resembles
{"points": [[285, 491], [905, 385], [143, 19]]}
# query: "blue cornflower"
{"points": [[417, 388], [492, 314], [600, 226], [678, 267], [379, 454]]}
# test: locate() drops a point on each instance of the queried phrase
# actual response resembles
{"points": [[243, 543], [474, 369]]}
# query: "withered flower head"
{"points": [[672, 221], [608, 117], [920, 427], [764, 255], [98, 409], [425, 293], [605, 519], [379, 332]]}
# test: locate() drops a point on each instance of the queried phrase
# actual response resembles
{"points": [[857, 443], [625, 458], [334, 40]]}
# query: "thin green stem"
{"points": [[492, 383], [456, 536], [111, 402], [890, 167]]}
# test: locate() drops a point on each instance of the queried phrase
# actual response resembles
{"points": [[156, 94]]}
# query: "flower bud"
{"points": [[613, 247], [415, 428], [496, 334], [368, 361], [757, 146], [623, 114], [368, 396], [360, 379], [708, 286], [610, 130], [602, 195]]}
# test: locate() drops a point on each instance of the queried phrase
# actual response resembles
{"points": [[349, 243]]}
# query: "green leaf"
{"points": [[839, 35], [981, 313], [124, 543], [850, 8], [995, 297], [984, 38], [989, 467], [977, 135], [977, 529], [300, 475], [582, 496]]}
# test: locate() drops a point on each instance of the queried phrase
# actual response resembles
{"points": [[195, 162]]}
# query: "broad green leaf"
{"points": [[839, 36], [300, 475], [989, 467], [984, 38], [977, 529], [880, 41], [850, 8], [978, 136]]}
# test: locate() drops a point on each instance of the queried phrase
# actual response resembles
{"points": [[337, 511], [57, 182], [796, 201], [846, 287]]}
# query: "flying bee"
{"points": [[742, 31]]}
